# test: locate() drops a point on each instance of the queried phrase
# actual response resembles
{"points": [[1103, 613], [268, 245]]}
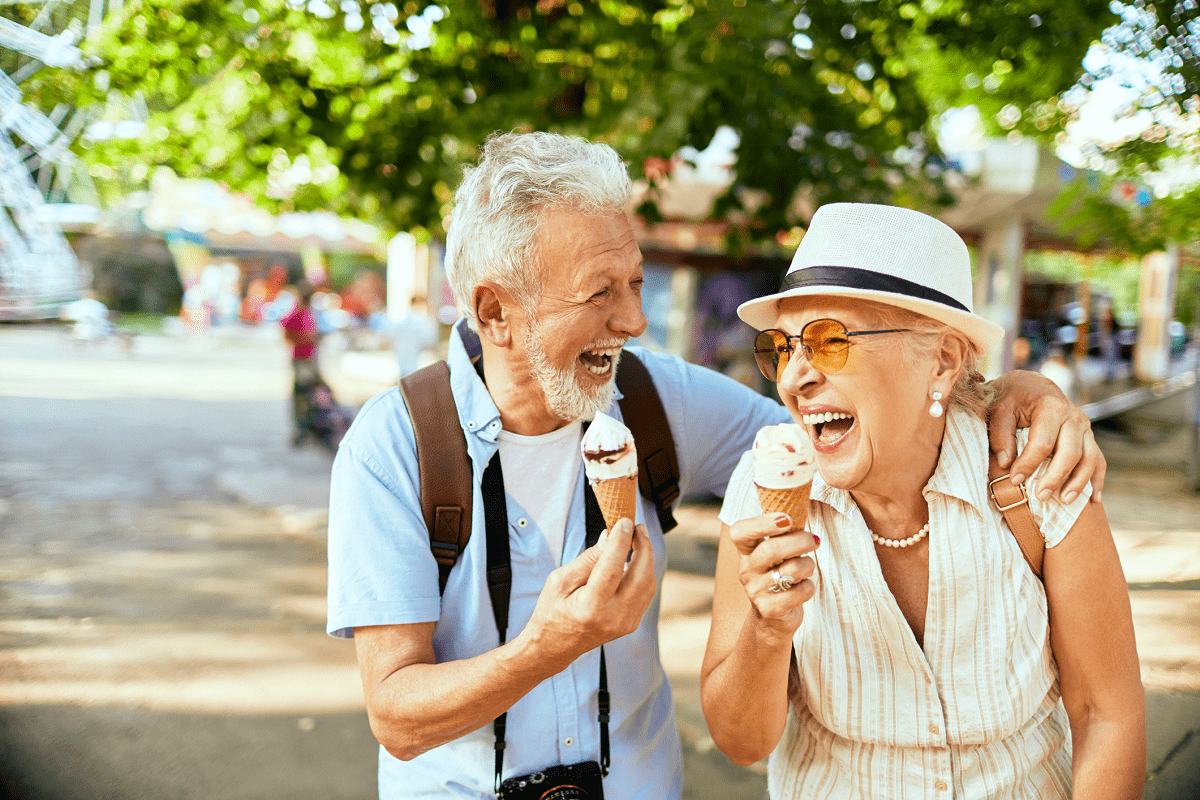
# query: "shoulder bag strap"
{"points": [[499, 579], [1013, 502], [445, 466], [658, 468], [499, 575]]}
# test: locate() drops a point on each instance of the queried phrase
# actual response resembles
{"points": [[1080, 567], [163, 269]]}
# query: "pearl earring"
{"points": [[936, 409]]}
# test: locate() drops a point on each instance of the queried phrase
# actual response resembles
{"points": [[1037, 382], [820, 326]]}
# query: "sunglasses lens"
{"points": [[826, 345], [771, 353]]}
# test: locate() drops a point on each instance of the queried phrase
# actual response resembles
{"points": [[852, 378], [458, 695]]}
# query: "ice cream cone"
{"points": [[617, 498], [793, 502]]}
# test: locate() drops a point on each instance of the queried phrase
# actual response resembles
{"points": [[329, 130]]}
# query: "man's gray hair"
{"points": [[502, 201]]}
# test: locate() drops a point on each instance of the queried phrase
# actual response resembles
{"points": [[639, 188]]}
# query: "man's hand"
{"points": [[597, 597], [1056, 427], [415, 703]]}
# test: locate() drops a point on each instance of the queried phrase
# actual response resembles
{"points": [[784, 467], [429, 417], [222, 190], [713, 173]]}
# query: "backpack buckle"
{"points": [[663, 484], [447, 522]]}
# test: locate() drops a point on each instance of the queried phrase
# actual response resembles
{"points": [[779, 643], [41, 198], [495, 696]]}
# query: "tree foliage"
{"points": [[371, 111], [1165, 36]]}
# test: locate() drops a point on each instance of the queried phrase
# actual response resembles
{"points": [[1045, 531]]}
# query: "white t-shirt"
{"points": [[540, 473]]}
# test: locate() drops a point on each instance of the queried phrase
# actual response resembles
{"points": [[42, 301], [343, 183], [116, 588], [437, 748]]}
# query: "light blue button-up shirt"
{"points": [[381, 572]]}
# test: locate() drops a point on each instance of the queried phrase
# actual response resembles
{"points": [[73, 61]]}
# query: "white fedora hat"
{"points": [[895, 256]]}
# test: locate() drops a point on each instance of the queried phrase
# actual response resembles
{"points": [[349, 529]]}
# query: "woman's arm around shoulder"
{"points": [[1091, 633]]}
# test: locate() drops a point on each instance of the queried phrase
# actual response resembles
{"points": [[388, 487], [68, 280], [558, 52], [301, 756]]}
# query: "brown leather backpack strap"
{"points": [[1013, 502], [658, 467], [445, 466]]}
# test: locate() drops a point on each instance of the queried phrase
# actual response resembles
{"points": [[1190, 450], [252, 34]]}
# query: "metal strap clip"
{"points": [[992, 492]]}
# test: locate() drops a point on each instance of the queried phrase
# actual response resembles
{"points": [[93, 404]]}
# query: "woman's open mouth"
{"points": [[829, 428]]}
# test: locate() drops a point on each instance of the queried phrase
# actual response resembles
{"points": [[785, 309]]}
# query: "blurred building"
{"points": [[147, 252], [1019, 197]]}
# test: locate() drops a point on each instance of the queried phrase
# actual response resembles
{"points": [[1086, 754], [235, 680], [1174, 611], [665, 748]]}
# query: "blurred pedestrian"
{"points": [[411, 335], [365, 296], [1110, 348], [89, 317], [300, 331], [253, 302], [1057, 369]]}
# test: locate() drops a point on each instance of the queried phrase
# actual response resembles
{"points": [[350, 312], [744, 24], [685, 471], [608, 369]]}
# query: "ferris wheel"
{"points": [[39, 175]]}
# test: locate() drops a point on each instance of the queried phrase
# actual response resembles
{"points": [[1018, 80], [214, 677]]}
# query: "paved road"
{"points": [[162, 575]]}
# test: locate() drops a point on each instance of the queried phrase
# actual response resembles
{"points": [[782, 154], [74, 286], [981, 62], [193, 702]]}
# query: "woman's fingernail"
{"points": [[1002, 458], [817, 540], [783, 521], [1096, 497], [1017, 479], [1044, 495], [1069, 497]]}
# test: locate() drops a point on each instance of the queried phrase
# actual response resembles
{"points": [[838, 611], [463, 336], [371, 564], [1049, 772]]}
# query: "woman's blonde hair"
{"points": [[923, 337]]}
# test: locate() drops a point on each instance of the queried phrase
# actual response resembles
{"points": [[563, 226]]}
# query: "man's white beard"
{"points": [[567, 398]]}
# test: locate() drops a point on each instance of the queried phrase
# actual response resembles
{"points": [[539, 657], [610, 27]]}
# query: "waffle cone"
{"points": [[793, 502], [617, 498]]}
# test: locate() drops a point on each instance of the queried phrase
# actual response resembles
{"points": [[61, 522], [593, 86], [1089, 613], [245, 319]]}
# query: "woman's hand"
{"points": [[1057, 427], [775, 567]]}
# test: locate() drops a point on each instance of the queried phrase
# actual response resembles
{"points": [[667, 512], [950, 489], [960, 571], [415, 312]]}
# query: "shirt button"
{"points": [[568, 741], [941, 786], [471, 425], [494, 425], [933, 728], [522, 522]]}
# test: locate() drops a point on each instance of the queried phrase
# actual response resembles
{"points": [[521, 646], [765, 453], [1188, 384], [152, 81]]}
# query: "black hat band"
{"points": [[852, 278]]}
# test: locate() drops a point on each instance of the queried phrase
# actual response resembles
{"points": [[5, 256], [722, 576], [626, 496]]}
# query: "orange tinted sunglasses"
{"points": [[824, 342]]}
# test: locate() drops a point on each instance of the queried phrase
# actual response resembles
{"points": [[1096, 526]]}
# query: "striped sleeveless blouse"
{"points": [[976, 712]]}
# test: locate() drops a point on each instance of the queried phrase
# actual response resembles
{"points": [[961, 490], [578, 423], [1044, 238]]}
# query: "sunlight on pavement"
{"points": [[53, 379], [162, 667]]}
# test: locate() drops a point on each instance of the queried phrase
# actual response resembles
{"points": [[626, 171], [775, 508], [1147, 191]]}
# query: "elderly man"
{"points": [[547, 273]]}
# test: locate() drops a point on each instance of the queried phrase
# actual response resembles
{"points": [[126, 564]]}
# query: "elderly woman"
{"points": [[926, 658]]}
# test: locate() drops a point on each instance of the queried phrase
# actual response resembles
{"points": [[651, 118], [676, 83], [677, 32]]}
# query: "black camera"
{"points": [[580, 781]]}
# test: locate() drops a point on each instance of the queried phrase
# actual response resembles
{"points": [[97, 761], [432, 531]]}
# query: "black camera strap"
{"points": [[499, 579]]}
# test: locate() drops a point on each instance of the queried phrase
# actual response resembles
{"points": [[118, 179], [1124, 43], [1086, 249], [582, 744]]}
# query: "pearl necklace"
{"points": [[916, 537]]}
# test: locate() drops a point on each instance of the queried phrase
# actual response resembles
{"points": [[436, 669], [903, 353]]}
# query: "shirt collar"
{"points": [[477, 411], [961, 471], [822, 492]]}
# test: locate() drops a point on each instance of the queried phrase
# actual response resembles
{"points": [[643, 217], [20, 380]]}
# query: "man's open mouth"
{"points": [[829, 426], [599, 362]]}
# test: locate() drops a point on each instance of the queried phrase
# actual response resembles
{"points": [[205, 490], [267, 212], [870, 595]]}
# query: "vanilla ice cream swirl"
{"points": [[608, 450], [783, 457]]}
